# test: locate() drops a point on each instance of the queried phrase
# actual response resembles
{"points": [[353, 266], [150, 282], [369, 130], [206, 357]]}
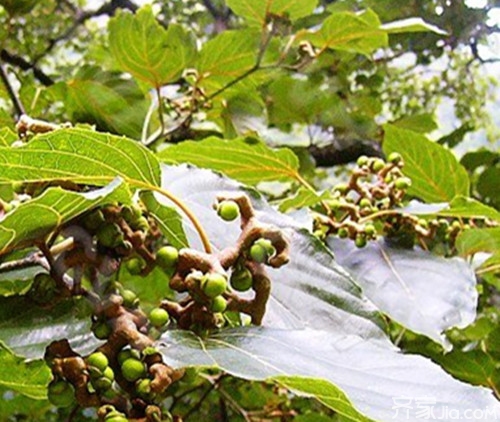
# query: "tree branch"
{"points": [[22, 64], [331, 155], [16, 101]]}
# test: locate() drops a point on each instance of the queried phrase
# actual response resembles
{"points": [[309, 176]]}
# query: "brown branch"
{"points": [[23, 64], [16, 101]]}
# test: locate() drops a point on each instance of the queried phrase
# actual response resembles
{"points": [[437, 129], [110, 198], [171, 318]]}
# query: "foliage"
{"points": [[146, 273]]}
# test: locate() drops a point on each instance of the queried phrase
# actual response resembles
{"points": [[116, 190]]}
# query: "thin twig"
{"points": [[16, 101]]}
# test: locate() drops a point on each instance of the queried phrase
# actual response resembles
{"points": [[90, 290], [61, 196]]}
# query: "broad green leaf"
{"points": [[28, 378], [345, 31], [227, 57], [53, 208], [303, 198], [16, 281], [27, 329], [472, 241], [426, 293], [481, 157], [488, 186], [371, 375], [469, 208], [435, 172], [246, 160], [105, 99], [258, 12], [411, 25], [7, 136], [81, 156], [19, 406], [168, 220], [151, 53], [422, 123], [318, 284]]}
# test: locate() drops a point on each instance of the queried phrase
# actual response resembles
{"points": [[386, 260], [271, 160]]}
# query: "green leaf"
{"points": [[52, 209], [257, 12], [481, 157], [142, 47], [167, 218], [30, 379], [411, 25], [370, 374], [472, 241], [106, 100], [345, 31], [303, 198], [226, 57], [469, 208], [435, 172], [422, 123], [426, 293], [19, 406], [27, 329], [325, 392], [7, 137], [81, 156], [247, 160], [17, 281]]}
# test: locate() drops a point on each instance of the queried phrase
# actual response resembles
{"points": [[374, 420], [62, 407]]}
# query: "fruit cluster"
{"points": [[126, 376]]}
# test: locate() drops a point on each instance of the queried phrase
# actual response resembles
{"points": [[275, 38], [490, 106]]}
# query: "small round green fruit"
{"points": [[214, 284], [394, 158], [110, 235], [258, 253], [167, 257], [360, 241], [343, 233], [61, 393], [131, 213], [98, 360], [362, 161], [241, 280], [116, 418], [228, 210], [219, 304], [341, 187], [101, 330], [102, 383], [94, 220], [402, 183], [370, 230], [268, 245], [143, 387], [135, 265], [109, 373], [133, 369], [158, 317], [130, 299], [365, 203], [378, 164]]}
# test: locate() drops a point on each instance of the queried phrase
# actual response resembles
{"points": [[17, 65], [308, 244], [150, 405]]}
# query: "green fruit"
{"points": [[167, 257], [365, 203], [158, 317], [214, 284], [394, 157], [362, 161], [241, 280], [98, 360], [101, 330], [125, 354], [258, 253], [94, 220], [334, 204], [341, 187], [370, 229], [268, 246], [378, 164], [143, 387], [360, 241], [141, 224], [108, 373], [343, 233], [110, 235], [219, 304], [402, 183], [135, 265], [116, 418], [130, 299], [61, 393], [131, 213], [102, 383], [228, 210], [133, 369], [423, 223]]}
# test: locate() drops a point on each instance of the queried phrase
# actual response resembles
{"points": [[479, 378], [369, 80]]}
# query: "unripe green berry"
{"points": [[268, 246], [115, 418], [228, 210], [143, 387], [214, 284], [132, 369], [158, 317], [101, 330], [343, 233], [135, 265], [423, 223], [258, 253], [131, 213], [334, 204], [61, 393], [341, 187], [98, 360], [102, 383], [130, 299], [241, 280], [219, 304], [394, 158], [402, 183], [110, 235], [365, 203], [94, 220], [167, 257], [360, 241], [370, 230], [362, 161], [378, 164], [108, 373], [141, 224]]}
